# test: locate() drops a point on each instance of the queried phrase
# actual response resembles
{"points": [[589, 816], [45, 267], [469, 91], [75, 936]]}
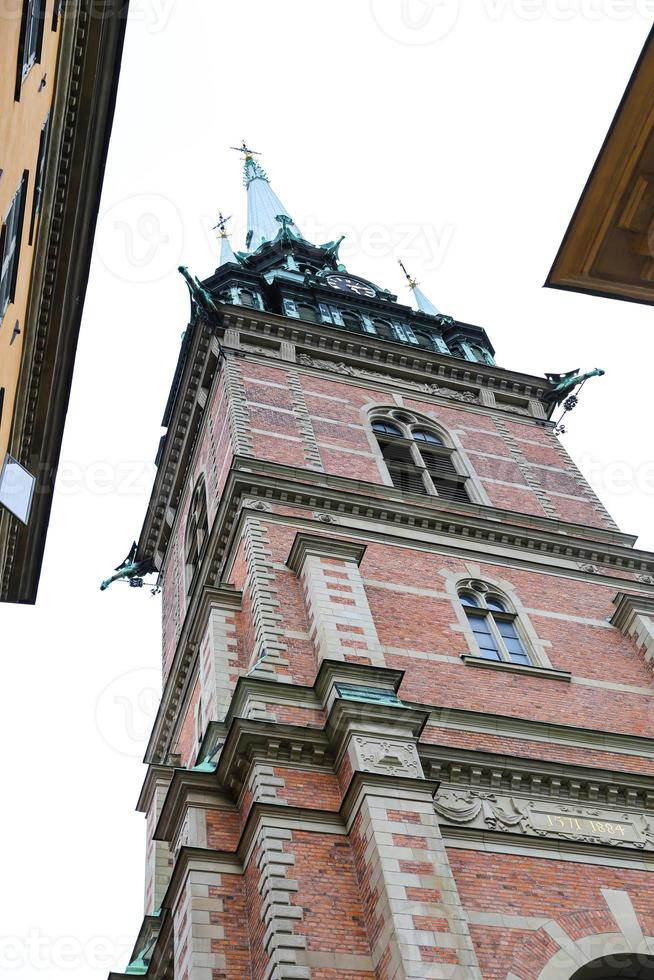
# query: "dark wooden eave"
{"points": [[606, 249]]}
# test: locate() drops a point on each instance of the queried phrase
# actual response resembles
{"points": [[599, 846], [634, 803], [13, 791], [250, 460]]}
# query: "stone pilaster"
{"points": [[526, 469], [416, 922], [267, 653], [342, 626], [196, 926], [237, 407], [304, 423], [283, 939], [157, 853], [219, 667]]}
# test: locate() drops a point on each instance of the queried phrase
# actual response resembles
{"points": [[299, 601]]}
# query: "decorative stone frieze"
{"points": [[517, 815]]}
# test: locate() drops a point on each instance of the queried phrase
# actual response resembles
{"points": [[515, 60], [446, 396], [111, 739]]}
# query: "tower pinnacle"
{"points": [[264, 207], [226, 250], [424, 304]]}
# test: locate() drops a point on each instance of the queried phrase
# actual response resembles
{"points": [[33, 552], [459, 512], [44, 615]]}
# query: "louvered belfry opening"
{"points": [[418, 461]]}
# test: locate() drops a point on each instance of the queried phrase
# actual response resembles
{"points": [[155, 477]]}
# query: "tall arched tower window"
{"points": [[495, 625], [197, 526], [418, 457]]}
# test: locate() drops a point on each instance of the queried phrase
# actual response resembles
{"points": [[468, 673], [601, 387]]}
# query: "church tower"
{"points": [[406, 721]]}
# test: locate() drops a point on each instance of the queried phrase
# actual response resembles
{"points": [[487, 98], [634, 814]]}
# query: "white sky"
{"points": [[457, 139]]}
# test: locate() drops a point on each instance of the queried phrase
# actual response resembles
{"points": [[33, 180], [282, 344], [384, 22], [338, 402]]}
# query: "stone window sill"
{"points": [[548, 673]]}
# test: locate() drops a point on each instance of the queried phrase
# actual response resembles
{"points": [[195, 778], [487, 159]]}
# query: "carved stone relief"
{"points": [[339, 367], [325, 518], [387, 756], [254, 504], [589, 825]]}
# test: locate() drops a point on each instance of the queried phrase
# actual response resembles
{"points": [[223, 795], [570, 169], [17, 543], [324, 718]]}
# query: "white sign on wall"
{"points": [[16, 488]]}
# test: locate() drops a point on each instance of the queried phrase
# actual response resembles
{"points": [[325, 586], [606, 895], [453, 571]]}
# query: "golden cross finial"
{"points": [[245, 150], [220, 225], [411, 280]]}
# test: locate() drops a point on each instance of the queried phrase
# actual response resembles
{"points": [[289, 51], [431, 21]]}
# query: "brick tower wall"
{"points": [[495, 823]]}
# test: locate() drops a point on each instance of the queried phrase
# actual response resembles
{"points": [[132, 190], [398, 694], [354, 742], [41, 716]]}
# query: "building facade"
{"points": [[407, 685], [59, 66]]}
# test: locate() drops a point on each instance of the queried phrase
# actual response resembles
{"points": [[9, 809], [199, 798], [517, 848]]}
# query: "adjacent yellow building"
{"points": [[28, 64], [59, 65]]}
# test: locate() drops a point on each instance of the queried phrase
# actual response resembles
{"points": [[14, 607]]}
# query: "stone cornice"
{"points": [[323, 546], [404, 360], [270, 742], [188, 785], [628, 607], [565, 783], [377, 784], [81, 118], [155, 776]]}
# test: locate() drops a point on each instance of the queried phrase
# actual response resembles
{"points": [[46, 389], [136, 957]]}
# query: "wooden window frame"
{"points": [[18, 200]]}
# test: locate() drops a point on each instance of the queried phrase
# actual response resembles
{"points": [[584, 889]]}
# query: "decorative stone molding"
{"points": [[477, 772], [282, 919], [340, 367], [518, 815], [252, 503], [305, 545], [387, 756], [258, 743], [324, 518]]}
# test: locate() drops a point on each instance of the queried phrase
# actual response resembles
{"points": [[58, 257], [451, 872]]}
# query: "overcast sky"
{"points": [[456, 139]]}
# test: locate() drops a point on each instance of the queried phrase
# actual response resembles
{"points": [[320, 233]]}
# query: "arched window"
{"points": [[418, 458], [495, 626], [423, 339], [617, 966], [247, 297], [307, 312], [479, 354], [384, 329], [351, 320], [197, 527]]}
